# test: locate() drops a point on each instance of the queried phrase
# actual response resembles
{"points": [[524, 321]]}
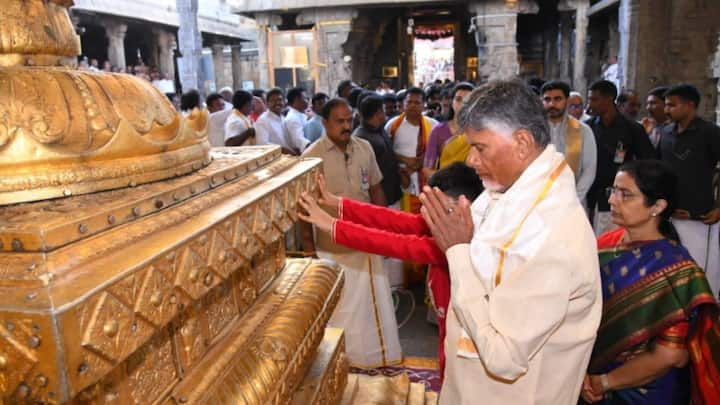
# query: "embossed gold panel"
{"points": [[187, 270]]}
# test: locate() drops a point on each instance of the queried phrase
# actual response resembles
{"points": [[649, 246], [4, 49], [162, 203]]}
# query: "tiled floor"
{"points": [[418, 337]]}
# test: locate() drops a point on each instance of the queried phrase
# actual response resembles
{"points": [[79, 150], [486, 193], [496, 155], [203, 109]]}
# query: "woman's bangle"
{"points": [[605, 382]]}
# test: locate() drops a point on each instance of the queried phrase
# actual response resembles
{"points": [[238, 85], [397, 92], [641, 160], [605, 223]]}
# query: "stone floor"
{"points": [[418, 337]]}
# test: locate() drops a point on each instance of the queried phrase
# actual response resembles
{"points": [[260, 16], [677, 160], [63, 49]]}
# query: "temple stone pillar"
{"points": [[551, 57], [496, 22], [715, 69], [264, 22], [579, 82], [115, 33], [236, 61], [190, 44], [166, 45], [333, 28], [218, 56], [566, 58]]}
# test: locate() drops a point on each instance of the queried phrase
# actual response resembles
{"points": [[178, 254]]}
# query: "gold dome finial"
{"points": [[65, 131]]}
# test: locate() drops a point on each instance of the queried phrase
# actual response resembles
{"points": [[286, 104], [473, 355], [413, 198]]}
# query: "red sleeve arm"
{"points": [[415, 248], [388, 219]]}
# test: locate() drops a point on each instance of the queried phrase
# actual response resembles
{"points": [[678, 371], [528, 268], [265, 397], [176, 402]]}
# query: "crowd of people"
{"points": [[572, 242], [161, 81]]}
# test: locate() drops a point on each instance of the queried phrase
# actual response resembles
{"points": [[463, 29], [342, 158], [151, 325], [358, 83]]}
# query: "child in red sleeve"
{"points": [[387, 232]]}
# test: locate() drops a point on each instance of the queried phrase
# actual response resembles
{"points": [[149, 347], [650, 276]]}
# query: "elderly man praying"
{"points": [[525, 283]]}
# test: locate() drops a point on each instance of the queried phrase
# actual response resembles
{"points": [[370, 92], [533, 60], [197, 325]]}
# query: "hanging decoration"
{"points": [[433, 33]]}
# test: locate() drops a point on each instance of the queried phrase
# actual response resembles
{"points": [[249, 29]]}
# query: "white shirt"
{"points": [[269, 130], [294, 123], [236, 124], [406, 137], [216, 127], [405, 143]]}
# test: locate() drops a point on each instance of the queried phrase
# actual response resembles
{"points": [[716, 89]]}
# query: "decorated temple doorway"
{"points": [[433, 54]]}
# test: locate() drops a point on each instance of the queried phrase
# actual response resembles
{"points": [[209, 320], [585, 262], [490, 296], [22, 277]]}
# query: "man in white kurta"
{"points": [[365, 310], [525, 284]]}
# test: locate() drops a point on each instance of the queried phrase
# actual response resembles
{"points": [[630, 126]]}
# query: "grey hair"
{"points": [[506, 105]]}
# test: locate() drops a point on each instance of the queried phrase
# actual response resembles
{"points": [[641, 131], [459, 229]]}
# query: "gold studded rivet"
{"points": [[111, 219], [208, 280], [67, 192], [136, 211], [159, 204], [183, 400], [176, 197], [132, 183], [192, 190], [82, 228], [41, 381], [3, 363], [23, 390], [32, 267], [111, 328], [222, 257], [34, 342], [156, 298], [173, 299], [110, 397], [17, 244], [194, 275]]}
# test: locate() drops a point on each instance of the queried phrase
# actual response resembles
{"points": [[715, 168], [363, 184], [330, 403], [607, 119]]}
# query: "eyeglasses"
{"points": [[622, 194]]}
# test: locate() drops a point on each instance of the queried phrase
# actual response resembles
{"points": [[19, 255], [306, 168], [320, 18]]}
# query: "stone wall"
{"points": [[671, 42]]}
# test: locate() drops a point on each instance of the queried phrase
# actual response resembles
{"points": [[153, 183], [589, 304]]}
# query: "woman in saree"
{"points": [[658, 339], [447, 144]]}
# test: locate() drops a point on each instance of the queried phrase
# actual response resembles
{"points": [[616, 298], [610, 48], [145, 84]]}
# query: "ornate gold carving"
{"points": [[151, 370], [65, 132], [327, 377], [189, 337], [37, 32], [17, 360], [220, 309], [266, 366], [188, 271], [114, 331]]}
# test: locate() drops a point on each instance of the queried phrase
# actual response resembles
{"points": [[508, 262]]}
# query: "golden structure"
{"points": [[65, 132], [116, 288]]}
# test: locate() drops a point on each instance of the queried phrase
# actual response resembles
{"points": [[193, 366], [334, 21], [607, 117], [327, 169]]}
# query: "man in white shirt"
{"points": [[269, 128], [296, 119], [525, 293], [239, 128], [409, 133], [572, 138], [218, 116]]}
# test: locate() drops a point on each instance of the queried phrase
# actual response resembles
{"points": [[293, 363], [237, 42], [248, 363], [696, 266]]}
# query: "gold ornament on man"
{"points": [[66, 132]]}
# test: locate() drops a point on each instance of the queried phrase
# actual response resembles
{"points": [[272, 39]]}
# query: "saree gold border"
{"points": [[263, 361], [647, 280], [657, 290]]}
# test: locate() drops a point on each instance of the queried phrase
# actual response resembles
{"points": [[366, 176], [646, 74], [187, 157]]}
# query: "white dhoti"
{"points": [[703, 243], [365, 311]]}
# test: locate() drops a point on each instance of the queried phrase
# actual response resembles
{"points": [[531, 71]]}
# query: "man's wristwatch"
{"points": [[605, 383]]}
